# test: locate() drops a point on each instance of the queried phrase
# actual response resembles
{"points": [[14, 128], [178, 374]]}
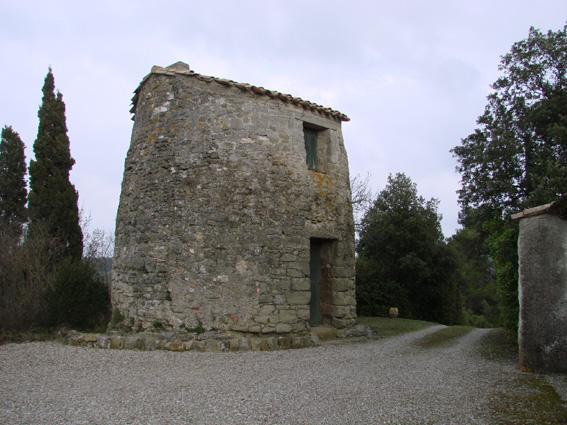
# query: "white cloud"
{"points": [[412, 75]]}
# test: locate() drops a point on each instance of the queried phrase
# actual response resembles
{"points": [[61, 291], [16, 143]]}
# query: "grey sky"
{"points": [[412, 76]]}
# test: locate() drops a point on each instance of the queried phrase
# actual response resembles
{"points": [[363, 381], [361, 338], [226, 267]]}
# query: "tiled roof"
{"points": [[180, 68]]}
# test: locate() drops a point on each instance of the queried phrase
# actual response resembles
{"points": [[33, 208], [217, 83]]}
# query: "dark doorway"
{"points": [[320, 274]]}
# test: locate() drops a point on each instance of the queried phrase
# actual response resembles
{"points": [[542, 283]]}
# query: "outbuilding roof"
{"points": [[558, 207], [181, 68]]}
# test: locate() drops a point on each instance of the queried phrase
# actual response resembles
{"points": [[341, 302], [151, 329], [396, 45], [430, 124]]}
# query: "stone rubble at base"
{"points": [[207, 342]]}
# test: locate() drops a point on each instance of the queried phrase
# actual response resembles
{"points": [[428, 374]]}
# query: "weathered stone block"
{"points": [[343, 284], [303, 314], [262, 319], [266, 329], [175, 345], [199, 345], [75, 340], [244, 344], [343, 299], [213, 345], [286, 315], [239, 326], [103, 341], [342, 323], [298, 284], [284, 342], [234, 344], [295, 273], [258, 344], [283, 328], [346, 312], [301, 342], [116, 342], [299, 297], [150, 342], [133, 342], [266, 310], [89, 338]]}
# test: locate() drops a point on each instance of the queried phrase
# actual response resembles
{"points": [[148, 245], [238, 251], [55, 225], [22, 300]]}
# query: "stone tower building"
{"points": [[235, 210]]}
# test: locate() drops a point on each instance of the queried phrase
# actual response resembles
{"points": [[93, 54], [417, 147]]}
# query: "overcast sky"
{"points": [[412, 76]]}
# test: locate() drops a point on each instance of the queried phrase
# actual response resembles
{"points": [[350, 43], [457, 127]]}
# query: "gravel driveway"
{"points": [[389, 381]]}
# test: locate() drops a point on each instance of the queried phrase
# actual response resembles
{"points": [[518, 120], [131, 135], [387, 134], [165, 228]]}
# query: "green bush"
{"points": [[476, 320], [504, 249], [78, 297], [403, 260]]}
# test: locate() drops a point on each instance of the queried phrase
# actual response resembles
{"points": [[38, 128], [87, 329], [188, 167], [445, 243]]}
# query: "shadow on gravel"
{"points": [[530, 400]]}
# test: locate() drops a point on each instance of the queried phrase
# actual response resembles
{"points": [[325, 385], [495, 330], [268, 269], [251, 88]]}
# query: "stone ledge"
{"points": [[169, 341], [211, 342]]}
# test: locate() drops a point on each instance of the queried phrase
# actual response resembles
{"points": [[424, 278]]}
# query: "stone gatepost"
{"points": [[542, 252]]}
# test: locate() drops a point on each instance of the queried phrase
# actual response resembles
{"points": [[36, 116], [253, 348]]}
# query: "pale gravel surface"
{"points": [[388, 381]]}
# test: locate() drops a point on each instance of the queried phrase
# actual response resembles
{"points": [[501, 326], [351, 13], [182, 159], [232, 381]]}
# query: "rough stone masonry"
{"points": [[542, 252], [235, 210]]}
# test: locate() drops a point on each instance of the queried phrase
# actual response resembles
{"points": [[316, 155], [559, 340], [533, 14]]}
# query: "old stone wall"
{"points": [[218, 208], [542, 335]]}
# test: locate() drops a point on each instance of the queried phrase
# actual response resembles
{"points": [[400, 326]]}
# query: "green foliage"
{"points": [[199, 329], [13, 192], [517, 156], [504, 248], [386, 327], [476, 278], [25, 275], [402, 258], [157, 325], [533, 400], [443, 337], [78, 298], [53, 199], [43, 282]]}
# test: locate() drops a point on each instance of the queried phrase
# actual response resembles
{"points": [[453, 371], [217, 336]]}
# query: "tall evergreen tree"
{"points": [[402, 258], [517, 156], [13, 192], [53, 199]]}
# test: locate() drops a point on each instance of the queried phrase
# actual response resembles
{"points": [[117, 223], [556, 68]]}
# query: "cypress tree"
{"points": [[13, 192], [53, 199]]}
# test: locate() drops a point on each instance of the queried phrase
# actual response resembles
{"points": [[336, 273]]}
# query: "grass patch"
{"points": [[533, 401], [386, 327], [443, 336], [7, 337], [499, 344]]}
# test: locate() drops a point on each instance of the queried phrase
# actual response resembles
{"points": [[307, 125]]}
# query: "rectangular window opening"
{"points": [[310, 135]]}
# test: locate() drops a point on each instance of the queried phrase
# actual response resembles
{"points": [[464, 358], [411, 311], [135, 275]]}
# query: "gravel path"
{"points": [[388, 381]]}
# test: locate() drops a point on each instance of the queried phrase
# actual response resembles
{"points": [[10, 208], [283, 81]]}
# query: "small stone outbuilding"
{"points": [[235, 210], [542, 251]]}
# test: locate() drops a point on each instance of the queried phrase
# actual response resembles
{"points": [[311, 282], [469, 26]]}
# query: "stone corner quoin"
{"points": [[235, 210]]}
